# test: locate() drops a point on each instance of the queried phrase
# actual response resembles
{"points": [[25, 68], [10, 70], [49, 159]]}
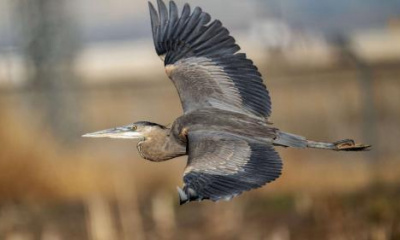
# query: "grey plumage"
{"points": [[224, 129], [222, 165], [208, 51]]}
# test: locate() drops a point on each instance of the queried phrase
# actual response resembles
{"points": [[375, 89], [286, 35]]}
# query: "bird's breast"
{"points": [[162, 149]]}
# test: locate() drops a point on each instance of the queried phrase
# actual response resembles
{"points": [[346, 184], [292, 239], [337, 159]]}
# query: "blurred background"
{"points": [[69, 67]]}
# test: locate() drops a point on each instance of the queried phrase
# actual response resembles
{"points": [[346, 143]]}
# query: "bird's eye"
{"points": [[134, 128]]}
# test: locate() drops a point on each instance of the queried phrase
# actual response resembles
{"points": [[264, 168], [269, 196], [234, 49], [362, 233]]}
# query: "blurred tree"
{"points": [[272, 9], [272, 27], [48, 39], [345, 56]]}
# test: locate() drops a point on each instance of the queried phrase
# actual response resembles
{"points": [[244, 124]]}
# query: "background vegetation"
{"points": [[58, 82]]}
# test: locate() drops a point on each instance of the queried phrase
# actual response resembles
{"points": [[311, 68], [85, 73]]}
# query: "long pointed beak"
{"points": [[118, 132]]}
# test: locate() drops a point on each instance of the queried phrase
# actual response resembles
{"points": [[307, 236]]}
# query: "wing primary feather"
{"points": [[214, 43], [155, 23], [219, 50], [172, 21], [210, 32], [191, 23], [182, 21], [163, 15], [163, 12], [204, 18], [216, 38], [173, 18]]}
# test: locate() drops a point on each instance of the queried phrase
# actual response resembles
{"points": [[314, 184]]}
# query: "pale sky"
{"points": [[104, 20]]}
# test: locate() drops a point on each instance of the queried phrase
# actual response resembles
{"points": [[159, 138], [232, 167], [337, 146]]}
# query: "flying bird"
{"points": [[224, 128]]}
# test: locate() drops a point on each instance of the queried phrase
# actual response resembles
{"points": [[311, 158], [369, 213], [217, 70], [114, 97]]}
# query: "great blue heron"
{"points": [[224, 129]]}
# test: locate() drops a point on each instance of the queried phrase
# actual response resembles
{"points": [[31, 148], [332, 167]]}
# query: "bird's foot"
{"points": [[350, 145], [187, 194]]}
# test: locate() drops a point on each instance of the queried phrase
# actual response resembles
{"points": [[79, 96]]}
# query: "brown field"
{"points": [[102, 189]]}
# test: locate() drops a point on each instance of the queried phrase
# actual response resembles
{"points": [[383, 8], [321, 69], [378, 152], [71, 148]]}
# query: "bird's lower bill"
{"points": [[121, 133]]}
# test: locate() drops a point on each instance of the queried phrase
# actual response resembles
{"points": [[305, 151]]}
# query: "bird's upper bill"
{"points": [[125, 132]]}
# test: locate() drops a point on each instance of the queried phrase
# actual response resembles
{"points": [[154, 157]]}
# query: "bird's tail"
{"points": [[292, 140]]}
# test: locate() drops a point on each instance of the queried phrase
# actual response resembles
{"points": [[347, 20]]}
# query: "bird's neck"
{"points": [[161, 146]]}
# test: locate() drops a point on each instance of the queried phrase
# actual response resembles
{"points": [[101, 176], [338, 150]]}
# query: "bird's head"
{"points": [[137, 130]]}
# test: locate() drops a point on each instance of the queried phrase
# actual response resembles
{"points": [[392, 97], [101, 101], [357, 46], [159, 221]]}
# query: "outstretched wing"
{"points": [[202, 61], [222, 165]]}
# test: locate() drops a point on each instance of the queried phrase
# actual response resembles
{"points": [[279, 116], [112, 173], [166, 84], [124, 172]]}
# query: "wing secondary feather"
{"points": [[223, 165]]}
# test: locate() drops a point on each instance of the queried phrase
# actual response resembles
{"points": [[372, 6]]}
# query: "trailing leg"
{"points": [[292, 140]]}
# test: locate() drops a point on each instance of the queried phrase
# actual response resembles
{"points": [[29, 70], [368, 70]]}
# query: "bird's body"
{"points": [[164, 143], [224, 128]]}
